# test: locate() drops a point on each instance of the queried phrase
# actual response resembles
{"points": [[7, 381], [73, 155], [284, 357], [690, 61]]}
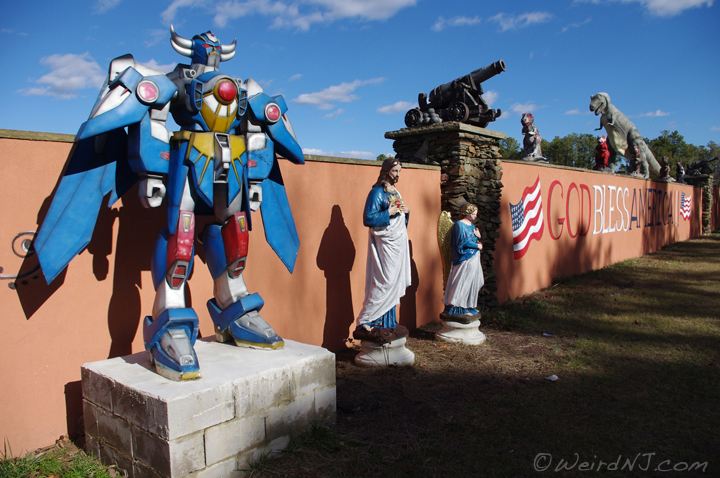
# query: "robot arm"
{"points": [[136, 97]]}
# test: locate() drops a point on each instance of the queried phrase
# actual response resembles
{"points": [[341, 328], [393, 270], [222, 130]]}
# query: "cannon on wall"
{"points": [[460, 100]]}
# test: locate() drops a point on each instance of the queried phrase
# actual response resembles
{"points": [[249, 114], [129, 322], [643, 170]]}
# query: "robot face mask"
{"points": [[204, 49]]}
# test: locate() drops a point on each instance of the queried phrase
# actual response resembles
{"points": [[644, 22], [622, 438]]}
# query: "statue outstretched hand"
{"points": [[151, 191]]}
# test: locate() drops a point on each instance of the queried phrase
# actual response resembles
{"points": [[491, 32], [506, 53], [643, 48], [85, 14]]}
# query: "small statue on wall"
{"points": [[460, 100], [638, 163], [665, 170], [532, 140], [680, 173], [460, 245], [388, 273], [601, 154]]}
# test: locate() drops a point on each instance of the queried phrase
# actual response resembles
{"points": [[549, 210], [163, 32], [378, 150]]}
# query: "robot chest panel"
{"points": [[223, 103]]}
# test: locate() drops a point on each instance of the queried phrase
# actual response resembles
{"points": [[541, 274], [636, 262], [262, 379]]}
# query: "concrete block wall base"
{"points": [[375, 354], [247, 404], [461, 333]]}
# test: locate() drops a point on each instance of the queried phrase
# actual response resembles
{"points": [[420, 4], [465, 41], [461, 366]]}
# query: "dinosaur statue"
{"points": [[622, 136]]}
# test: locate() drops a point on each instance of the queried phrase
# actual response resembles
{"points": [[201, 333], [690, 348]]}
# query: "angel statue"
{"points": [[460, 244]]}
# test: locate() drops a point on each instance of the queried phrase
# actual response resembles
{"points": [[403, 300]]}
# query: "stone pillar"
{"points": [[469, 158], [704, 182]]}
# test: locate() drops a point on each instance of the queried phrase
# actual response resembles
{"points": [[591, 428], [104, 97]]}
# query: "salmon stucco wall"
{"points": [[580, 220], [93, 309]]}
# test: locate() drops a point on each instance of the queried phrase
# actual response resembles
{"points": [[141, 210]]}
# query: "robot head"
{"points": [[204, 49]]}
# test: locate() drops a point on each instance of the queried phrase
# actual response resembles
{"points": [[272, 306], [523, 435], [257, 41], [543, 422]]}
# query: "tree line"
{"points": [[578, 150]]}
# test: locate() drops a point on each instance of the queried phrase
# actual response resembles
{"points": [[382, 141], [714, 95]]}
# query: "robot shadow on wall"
{"points": [[221, 163]]}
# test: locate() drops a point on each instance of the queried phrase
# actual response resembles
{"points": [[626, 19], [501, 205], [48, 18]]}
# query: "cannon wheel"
{"points": [[413, 118], [459, 111]]}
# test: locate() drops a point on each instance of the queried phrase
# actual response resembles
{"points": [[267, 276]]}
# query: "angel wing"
{"points": [[445, 225]]}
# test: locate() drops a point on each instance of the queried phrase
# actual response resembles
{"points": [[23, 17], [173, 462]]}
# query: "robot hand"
{"points": [[151, 191]]}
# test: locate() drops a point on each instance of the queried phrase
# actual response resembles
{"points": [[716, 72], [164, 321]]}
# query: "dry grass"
{"points": [[636, 347]]}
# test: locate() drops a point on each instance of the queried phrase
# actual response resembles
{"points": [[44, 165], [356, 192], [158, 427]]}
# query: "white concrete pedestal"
{"points": [[247, 403], [461, 333], [375, 354]]}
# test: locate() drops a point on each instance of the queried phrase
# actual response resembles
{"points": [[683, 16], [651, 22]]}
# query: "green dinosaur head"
{"points": [[599, 103]]}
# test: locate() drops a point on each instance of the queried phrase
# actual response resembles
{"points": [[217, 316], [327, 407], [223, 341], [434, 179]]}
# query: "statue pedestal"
{"points": [[459, 332], [376, 354], [246, 404]]}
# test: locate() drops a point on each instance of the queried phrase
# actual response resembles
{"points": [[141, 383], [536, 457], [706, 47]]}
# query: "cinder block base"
{"points": [[247, 403]]}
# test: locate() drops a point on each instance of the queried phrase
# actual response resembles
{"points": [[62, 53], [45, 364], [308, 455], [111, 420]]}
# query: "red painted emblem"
{"points": [[227, 90], [147, 91], [272, 112]]}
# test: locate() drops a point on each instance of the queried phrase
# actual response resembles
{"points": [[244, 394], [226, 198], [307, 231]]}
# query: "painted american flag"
{"points": [[527, 219], [685, 204]]}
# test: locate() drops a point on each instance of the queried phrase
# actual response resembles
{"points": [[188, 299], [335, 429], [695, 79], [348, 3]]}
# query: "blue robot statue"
{"points": [[221, 163]]}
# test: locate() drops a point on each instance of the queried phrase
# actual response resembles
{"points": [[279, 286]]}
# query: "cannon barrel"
{"points": [[446, 93], [486, 72]]}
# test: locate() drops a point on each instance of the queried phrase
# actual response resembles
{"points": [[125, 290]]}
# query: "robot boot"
{"points": [[170, 339], [242, 323]]}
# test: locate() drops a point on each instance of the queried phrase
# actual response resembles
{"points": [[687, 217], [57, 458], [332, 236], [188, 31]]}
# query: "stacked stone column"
{"points": [[469, 158], [705, 182]]}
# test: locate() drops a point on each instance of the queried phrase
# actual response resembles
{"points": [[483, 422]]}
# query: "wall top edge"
{"points": [[572, 168], [364, 162], [36, 136], [450, 126], [69, 138]]}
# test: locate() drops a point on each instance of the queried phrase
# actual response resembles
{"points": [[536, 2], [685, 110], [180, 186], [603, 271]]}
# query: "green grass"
{"points": [[60, 461], [636, 347]]}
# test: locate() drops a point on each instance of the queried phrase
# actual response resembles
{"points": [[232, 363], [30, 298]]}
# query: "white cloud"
{"points": [[296, 76], [523, 108], [510, 22], [342, 93], [68, 74], [578, 112], [102, 6], [576, 25], [155, 36], [13, 32], [400, 106], [342, 154], [490, 97], [715, 128], [442, 23], [156, 66], [335, 113], [300, 14], [357, 154], [652, 114], [168, 15], [661, 8]]}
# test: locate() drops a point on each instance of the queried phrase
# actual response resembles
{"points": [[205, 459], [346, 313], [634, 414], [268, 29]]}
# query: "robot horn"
{"points": [[180, 44], [228, 51]]}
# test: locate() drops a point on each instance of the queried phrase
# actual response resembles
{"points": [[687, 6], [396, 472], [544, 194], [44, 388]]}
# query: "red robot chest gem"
{"points": [[227, 90]]}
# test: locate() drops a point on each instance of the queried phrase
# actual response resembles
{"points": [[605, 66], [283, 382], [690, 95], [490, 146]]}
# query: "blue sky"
{"points": [[350, 69]]}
